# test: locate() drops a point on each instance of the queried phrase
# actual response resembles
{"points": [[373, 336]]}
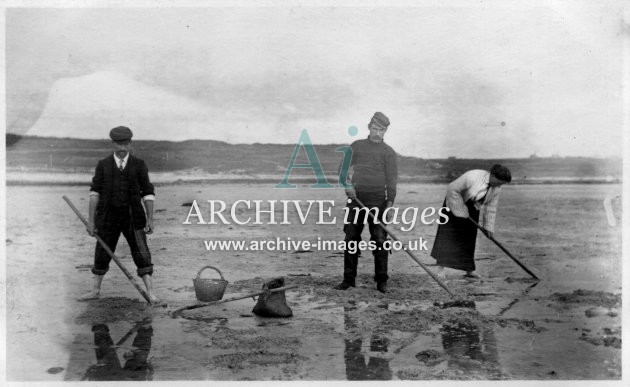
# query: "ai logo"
{"points": [[314, 164]]}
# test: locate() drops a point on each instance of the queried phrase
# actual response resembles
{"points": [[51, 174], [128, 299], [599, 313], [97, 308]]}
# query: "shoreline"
{"points": [[61, 177], [16, 183]]}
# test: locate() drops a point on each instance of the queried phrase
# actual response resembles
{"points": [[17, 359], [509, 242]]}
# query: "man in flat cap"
{"points": [[374, 184], [119, 188]]}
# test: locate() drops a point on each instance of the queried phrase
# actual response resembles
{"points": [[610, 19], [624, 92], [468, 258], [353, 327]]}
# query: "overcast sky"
{"points": [[447, 76]]}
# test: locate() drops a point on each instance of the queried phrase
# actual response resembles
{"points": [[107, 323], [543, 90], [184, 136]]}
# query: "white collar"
{"points": [[124, 159]]}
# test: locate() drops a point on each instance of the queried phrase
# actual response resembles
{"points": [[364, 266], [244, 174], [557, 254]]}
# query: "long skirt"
{"points": [[455, 240]]}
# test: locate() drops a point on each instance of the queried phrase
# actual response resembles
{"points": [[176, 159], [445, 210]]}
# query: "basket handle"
{"points": [[209, 267]]}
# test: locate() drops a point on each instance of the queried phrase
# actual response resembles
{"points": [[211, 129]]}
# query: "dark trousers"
{"points": [[377, 234], [118, 220]]}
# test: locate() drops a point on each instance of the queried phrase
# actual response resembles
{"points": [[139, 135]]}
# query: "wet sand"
{"points": [[567, 326]]}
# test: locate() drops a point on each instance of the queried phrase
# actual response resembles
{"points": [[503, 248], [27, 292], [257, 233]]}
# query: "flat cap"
{"points": [[380, 118], [120, 133]]}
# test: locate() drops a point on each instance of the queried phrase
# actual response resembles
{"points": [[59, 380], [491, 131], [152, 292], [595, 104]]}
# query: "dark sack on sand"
{"points": [[272, 304]]}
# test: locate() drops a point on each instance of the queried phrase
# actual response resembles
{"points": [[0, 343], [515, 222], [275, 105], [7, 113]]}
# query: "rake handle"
{"points": [[407, 251], [234, 298], [496, 242], [110, 252]]}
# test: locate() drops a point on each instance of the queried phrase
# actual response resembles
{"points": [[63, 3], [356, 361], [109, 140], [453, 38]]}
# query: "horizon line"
{"points": [[532, 156]]}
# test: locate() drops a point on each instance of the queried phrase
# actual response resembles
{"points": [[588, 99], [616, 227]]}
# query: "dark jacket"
{"points": [[139, 186]]}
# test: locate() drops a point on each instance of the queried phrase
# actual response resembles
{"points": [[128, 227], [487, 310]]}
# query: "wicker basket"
{"points": [[207, 289]]}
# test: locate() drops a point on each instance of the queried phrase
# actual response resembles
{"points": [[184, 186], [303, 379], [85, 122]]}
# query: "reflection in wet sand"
{"points": [[470, 347], [108, 366], [376, 368]]}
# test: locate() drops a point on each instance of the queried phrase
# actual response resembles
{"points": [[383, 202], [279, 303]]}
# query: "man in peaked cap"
{"points": [[119, 188], [374, 184]]}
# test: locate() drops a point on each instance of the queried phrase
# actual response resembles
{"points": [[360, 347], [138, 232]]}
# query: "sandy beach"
{"points": [[566, 326]]}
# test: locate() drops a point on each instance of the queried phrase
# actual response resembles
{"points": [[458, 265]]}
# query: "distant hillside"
{"points": [[76, 155]]}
